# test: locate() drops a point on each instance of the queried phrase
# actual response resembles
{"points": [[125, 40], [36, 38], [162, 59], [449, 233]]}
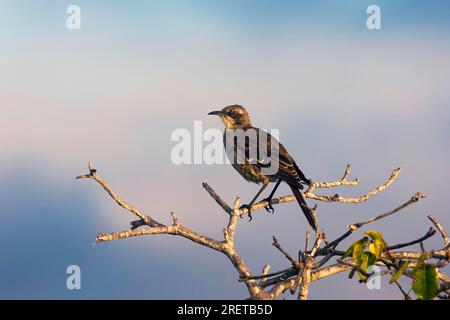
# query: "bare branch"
{"points": [[310, 194], [277, 245], [309, 267], [268, 275], [217, 198], [178, 230], [231, 228], [347, 172], [413, 199], [174, 218], [355, 226], [431, 232], [363, 198], [319, 237], [306, 280], [442, 231], [94, 176]]}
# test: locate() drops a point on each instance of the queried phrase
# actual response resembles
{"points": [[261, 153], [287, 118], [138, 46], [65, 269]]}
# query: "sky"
{"points": [[115, 90]]}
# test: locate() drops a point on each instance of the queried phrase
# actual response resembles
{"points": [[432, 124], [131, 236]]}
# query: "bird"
{"points": [[242, 153]]}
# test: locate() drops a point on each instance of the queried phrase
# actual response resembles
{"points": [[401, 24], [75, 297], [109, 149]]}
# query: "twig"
{"points": [[413, 199], [174, 218], [310, 194], [441, 230], [94, 176], [363, 198], [405, 294], [217, 198], [347, 172], [431, 232], [355, 226], [277, 245], [268, 275]]}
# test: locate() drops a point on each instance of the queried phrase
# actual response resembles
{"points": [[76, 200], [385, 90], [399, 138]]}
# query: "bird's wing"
{"points": [[267, 155], [286, 167]]}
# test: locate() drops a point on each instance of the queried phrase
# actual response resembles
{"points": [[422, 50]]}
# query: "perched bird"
{"points": [[252, 164]]}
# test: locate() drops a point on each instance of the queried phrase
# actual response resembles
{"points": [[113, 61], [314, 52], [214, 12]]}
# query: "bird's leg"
{"points": [[305, 179], [269, 207], [249, 206], [302, 176]]}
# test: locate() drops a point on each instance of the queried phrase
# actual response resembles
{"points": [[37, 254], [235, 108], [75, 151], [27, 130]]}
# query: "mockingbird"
{"points": [[254, 166]]}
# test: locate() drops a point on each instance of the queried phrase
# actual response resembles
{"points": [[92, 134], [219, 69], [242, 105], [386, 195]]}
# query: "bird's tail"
{"points": [[306, 210]]}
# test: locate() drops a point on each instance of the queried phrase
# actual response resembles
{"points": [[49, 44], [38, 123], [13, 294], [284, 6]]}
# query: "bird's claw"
{"points": [[269, 207], [249, 211]]}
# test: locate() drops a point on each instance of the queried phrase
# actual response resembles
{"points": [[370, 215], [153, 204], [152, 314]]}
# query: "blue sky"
{"points": [[136, 72]]}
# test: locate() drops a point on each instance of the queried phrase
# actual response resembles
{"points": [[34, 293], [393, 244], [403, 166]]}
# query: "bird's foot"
{"points": [[249, 209], [269, 207]]}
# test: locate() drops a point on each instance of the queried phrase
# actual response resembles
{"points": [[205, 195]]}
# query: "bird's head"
{"points": [[234, 117]]}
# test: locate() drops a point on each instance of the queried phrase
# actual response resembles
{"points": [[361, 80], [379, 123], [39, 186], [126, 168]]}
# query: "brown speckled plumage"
{"points": [[236, 118]]}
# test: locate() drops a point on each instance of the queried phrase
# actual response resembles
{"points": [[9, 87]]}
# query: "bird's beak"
{"points": [[215, 113]]}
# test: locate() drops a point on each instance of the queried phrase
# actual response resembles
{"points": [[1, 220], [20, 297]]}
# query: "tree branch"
{"points": [[311, 263], [310, 193]]}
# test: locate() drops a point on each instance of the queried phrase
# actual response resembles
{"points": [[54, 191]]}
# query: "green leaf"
{"points": [[359, 248], [362, 276], [367, 260], [374, 235], [372, 260], [420, 262], [425, 284], [399, 272], [377, 247], [349, 251]]}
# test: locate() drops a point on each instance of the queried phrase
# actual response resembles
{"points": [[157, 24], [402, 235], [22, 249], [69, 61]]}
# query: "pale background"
{"points": [[115, 90]]}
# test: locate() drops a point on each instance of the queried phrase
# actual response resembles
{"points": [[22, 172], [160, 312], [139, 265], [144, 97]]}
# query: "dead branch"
{"points": [[311, 263], [309, 193]]}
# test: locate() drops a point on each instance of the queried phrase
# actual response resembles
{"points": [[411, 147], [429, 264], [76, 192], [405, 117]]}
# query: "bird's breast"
{"points": [[251, 173]]}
